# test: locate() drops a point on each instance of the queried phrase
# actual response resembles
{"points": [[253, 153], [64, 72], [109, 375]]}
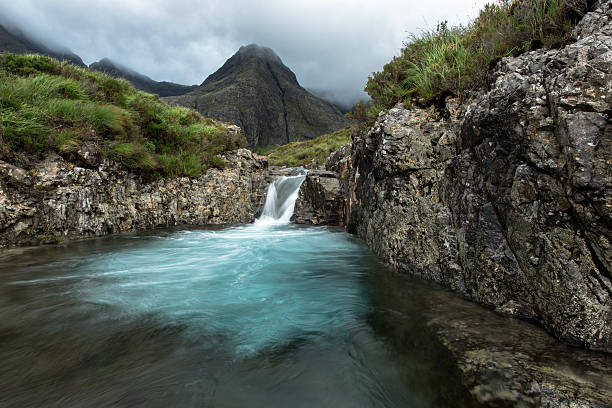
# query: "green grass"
{"points": [[452, 60], [50, 105], [309, 153]]}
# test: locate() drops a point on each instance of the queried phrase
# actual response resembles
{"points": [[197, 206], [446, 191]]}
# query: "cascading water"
{"points": [[280, 200]]}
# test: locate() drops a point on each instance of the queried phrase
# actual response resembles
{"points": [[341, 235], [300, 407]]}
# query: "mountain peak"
{"points": [[264, 53], [256, 91], [111, 67]]}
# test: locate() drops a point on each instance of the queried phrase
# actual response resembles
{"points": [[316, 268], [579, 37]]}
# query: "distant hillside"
{"points": [[15, 41], [257, 92], [140, 81], [309, 153]]}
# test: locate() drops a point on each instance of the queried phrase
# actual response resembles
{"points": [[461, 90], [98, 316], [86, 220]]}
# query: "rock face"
{"points": [[15, 41], [321, 201], [58, 200], [257, 92], [140, 81], [502, 362], [505, 199]]}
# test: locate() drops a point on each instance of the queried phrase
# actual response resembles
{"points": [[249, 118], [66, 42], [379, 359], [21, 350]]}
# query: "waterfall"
{"points": [[280, 200]]}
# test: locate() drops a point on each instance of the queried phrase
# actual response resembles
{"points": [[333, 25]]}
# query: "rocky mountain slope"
{"points": [[505, 198], [257, 92], [15, 41], [140, 81]]}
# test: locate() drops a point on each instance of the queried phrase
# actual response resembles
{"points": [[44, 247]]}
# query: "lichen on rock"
{"points": [[505, 198], [59, 200]]}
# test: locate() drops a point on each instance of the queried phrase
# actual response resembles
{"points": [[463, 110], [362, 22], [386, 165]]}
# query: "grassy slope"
{"points": [[453, 60], [50, 105], [309, 153]]}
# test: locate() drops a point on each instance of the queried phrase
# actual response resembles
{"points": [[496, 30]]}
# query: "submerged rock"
{"points": [[502, 362]]}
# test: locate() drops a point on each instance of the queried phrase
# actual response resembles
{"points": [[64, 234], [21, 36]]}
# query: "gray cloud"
{"points": [[332, 46]]}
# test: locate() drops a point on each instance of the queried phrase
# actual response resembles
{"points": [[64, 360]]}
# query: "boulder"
{"points": [[320, 200]]}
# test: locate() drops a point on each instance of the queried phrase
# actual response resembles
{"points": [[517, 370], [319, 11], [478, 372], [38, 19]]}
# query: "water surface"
{"points": [[259, 315]]}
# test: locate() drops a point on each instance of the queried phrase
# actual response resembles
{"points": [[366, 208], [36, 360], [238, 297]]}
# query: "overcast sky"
{"points": [[330, 45]]}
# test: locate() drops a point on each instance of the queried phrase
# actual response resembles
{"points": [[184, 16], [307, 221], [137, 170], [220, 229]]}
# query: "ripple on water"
{"points": [[255, 315]]}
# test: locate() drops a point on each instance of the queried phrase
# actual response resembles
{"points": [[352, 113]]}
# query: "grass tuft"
{"points": [[50, 105], [310, 153], [452, 60]]}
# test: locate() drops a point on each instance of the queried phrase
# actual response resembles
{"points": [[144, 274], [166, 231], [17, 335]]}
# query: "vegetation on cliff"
{"points": [[453, 60], [50, 105], [309, 153]]}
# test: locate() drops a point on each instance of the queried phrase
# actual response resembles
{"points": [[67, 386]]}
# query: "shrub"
{"points": [[22, 129], [67, 141]]}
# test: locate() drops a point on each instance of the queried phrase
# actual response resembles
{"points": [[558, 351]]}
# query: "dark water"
{"points": [[249, 316]]}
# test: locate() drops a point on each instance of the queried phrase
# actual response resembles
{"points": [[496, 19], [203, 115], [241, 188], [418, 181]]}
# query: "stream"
{"points": [[263, 315]]}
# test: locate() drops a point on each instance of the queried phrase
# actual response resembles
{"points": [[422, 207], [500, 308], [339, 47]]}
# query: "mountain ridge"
{"points": [[16, 41], [140, 81]]}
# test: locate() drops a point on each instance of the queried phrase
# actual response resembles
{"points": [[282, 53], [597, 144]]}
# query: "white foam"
{"points": [[280, 201]]}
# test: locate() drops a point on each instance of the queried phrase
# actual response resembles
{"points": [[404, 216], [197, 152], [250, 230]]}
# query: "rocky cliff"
{"points": [[320, 201], [59, 200], [140, 81], [257, 92], [505, 198]]}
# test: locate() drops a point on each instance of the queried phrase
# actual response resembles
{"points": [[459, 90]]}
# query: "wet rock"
{"points": [[320, 200], [546, 172], [67, 201], [505, 198], [502, 361], [396, 205], [512, 363]]}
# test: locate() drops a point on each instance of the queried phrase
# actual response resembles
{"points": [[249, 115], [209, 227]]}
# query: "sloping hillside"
{"points": [[14, 41], [140, 81], [47, 105]]}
